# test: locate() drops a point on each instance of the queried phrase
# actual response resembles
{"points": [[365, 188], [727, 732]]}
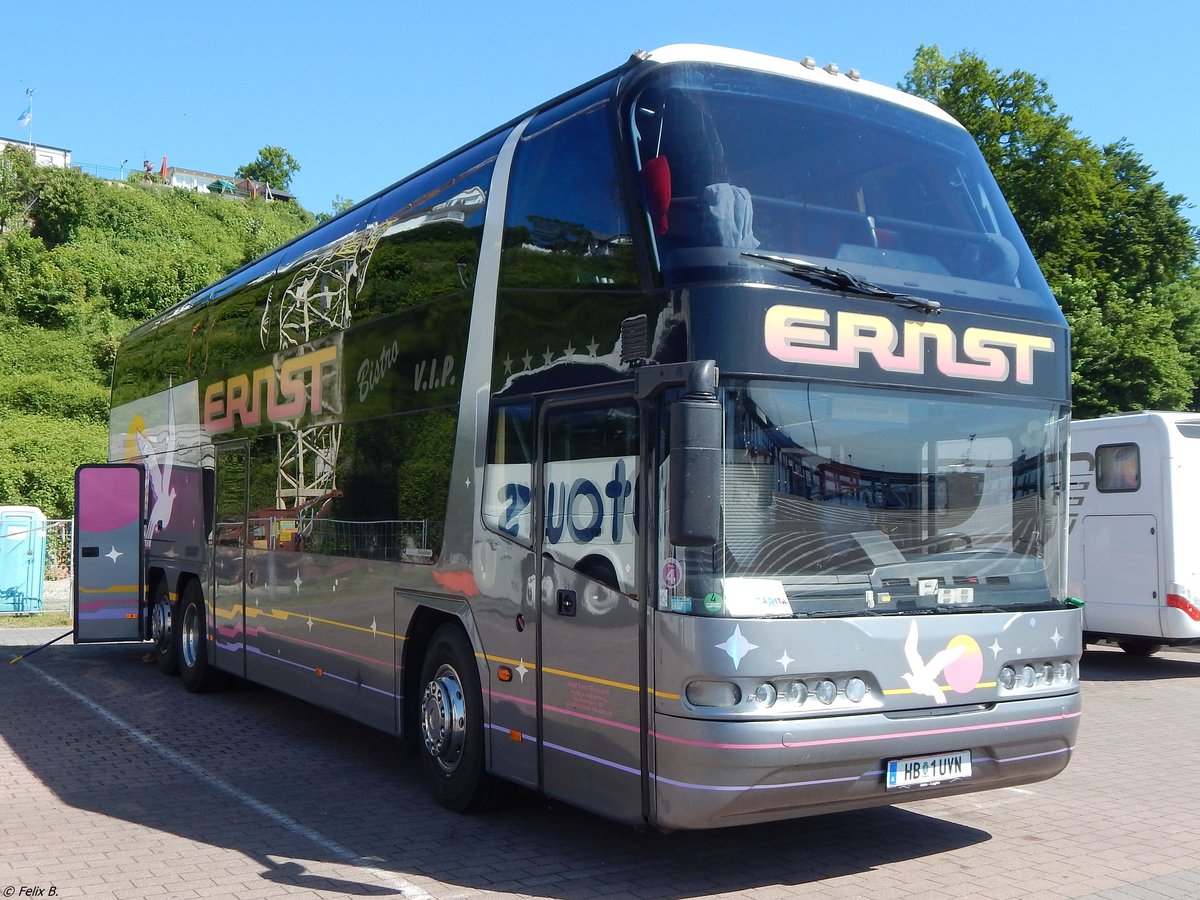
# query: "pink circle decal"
{"points": [[963, 674]]}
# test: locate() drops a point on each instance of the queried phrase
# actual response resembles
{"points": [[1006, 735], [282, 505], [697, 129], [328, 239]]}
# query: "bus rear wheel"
{"points": [[166, 649], [198, 675], [451, 723]]}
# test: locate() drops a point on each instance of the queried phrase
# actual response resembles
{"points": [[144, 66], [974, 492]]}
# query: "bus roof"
{"points": [[805, 69]]}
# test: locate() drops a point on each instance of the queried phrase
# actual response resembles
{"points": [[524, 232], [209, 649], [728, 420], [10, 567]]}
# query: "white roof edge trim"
{"points": [[745, 59]]}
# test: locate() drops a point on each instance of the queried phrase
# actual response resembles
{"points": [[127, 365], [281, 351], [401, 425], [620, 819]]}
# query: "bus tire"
{"points": [[197, 673], [450, 723], [162, 631], [1139, 648]]}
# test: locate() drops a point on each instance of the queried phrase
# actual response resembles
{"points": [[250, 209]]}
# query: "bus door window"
{"points": [[590, 475], [508, 473]]}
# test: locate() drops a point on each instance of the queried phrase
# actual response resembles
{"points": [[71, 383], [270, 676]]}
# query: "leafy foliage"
{"points": [[38, 458], [81, 262], [1113, 242], [274, 165]]}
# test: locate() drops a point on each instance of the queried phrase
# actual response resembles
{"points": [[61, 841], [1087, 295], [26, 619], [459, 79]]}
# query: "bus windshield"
{"points": [[735, 162], [859, 501]]}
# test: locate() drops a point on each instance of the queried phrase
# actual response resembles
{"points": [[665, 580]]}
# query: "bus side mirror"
{"points": [[696, 449]]}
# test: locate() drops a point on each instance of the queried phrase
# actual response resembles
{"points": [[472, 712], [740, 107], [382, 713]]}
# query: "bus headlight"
{"points": [[856, 690], [1028, 676], [716, 694], [826, 691], [1008, 677], [797, 692], [766, 694]]}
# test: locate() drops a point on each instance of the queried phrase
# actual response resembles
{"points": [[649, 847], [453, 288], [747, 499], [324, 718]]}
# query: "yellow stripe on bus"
{"points": [[891, 692], [563, 673]]}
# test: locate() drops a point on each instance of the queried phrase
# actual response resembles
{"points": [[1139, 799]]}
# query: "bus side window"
{"points": [[565, 226]]}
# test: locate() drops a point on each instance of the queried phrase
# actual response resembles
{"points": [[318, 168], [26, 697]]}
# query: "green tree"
{"points": [[340, 205], [274, 165], [16, 186], [1087, 211], [1112, 241]]}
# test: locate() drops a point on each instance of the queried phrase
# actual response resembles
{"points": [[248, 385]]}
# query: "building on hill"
{"points": [[196, 180], [43, 155]]}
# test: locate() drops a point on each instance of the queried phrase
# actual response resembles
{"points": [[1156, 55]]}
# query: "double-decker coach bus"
{"points": [[691, 449]]}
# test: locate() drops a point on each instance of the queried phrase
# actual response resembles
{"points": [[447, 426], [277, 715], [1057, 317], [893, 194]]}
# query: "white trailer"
{"points": [[1134, 546]]}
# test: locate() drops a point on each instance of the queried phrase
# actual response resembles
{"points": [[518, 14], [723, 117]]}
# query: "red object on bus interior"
{"points": [[656, 179]]}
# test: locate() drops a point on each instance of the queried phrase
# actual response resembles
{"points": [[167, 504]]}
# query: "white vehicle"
{"points": [[1132, 555]]}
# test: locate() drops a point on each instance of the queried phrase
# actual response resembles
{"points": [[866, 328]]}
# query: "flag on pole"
{"points": [[26, 117]]}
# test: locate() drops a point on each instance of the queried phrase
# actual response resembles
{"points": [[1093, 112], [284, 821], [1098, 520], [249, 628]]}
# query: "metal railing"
{"points": [[108, 173]]}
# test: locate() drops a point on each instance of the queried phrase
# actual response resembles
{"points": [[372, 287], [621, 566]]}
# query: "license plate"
{"points": [[914, 771]]}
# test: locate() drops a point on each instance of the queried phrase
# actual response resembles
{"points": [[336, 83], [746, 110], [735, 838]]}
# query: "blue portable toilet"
{"points": [[22, 559]]}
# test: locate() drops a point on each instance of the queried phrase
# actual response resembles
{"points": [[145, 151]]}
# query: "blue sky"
{"points": [[362, 92]]}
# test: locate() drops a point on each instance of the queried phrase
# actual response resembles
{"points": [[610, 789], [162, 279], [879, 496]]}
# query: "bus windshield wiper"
{"points": [[840, 279]]}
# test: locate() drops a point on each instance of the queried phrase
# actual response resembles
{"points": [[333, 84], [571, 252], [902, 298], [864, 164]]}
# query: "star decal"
{"points": [[528, 360], [737, 646], [508, 364], [570, 351], [297, 581], [1056, 637], [310, 623], [114, 554], [522, 669], [995, 647], [593, 347], [374, 627], [785, 660], [548, 356]]}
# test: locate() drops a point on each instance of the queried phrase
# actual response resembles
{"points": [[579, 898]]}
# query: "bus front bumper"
{"points": [[709, 774]]}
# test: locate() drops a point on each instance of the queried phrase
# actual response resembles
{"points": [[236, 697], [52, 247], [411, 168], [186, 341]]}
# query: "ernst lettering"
{"points": [[284, 395], [802, 334]]}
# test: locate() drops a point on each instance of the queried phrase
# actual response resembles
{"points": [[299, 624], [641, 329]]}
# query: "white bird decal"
{"points": [[162, 494], [922, 675]]}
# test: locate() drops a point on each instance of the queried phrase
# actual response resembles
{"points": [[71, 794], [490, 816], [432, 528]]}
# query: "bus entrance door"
{"points": [[590, 692], [109, 574]]}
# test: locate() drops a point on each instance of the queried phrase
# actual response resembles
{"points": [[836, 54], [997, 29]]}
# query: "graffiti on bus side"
{"points": [[587, 502]]}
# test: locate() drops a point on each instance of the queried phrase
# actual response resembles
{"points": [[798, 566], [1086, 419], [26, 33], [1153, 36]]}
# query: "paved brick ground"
{"points": [[116, 783]]}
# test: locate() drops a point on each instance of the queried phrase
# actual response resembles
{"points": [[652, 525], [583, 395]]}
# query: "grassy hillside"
{"points": [[82, 261]]}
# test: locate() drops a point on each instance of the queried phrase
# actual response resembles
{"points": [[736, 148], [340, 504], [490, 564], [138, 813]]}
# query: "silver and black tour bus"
{"points": [[692, 449]]}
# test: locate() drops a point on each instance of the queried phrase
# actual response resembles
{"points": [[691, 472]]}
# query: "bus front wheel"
{"points": [[451, 723]]}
